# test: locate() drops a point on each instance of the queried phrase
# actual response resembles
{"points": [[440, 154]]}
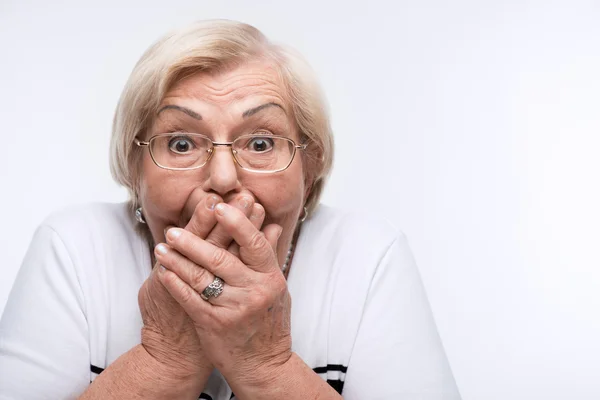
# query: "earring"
{"points": [[305, 215], [139, 216]]}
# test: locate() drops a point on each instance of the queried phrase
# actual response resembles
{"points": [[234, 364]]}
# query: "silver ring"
{"points": [[213, 290]]}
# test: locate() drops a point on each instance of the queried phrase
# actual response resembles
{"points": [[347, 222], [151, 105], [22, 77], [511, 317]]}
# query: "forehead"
{"points": [[233, 88]]}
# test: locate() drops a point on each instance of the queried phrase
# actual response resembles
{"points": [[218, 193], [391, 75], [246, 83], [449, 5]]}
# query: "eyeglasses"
{"points": [[183, 151]]}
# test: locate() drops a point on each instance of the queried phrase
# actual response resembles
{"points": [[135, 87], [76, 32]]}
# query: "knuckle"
{"points": [[218, 257], [277, 285], [170, 280], [186, 296], [282, 291], [194, 226], [243, 309], [257, 240], [198, 278], [261, 299]]}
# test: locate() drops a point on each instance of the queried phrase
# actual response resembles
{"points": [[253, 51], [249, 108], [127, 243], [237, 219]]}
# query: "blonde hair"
{"points": [[209, 46]]}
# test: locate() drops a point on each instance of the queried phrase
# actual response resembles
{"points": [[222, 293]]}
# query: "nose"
{"points": [[223, 174]]}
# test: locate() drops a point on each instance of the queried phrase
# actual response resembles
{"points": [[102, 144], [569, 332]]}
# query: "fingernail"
{"points": [[167, 229], [220, 208], [161, 268], [173, 233], [211, 202], [257, 212], [161, 249], [245, 202], [280, 232]]}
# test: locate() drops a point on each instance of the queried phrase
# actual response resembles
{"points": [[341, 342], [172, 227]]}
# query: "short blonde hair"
{"points": [[209, 46]]}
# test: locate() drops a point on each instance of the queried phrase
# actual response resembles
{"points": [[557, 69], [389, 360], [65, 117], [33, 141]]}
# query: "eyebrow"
{"points": [[189, 112], [252, 111]]}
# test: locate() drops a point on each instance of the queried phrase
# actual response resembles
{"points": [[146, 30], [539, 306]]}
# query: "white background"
{"points": [[474, 126]]}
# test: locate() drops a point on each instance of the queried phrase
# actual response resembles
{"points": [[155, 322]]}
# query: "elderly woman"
{"points": [[222, 274]]}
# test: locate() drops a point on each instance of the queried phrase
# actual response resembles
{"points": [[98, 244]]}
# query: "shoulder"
{"points": [[340, 257], [95, 231], [77, 222], [348, 245], [335, 228]]}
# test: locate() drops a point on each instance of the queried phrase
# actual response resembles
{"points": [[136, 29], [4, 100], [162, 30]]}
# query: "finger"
{"points": [[272, 233], [157, 291], [219, 236], [203, 220], [199, 310], [255, 250], [218, 261], [195, 276], [257, 217]]}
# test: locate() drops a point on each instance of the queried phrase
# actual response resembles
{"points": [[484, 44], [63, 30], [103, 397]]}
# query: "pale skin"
{"points": [[223, 221]]}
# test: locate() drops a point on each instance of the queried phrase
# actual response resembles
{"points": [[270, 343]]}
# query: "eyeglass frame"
{"points": [[147, 143]]}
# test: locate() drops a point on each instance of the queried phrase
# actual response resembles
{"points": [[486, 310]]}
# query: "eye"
{"points": [[260, 144], [181, 145]]}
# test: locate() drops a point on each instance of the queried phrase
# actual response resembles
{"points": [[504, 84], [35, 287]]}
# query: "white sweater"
{"points": [[360, 316]]}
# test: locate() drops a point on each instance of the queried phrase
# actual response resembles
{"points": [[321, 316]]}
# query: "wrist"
{"points": [[172, 363], [292, 380], [172, 379], [256, 380], [137, 375]]}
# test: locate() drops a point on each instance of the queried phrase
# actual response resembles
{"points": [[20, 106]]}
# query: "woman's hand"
{"points": [[245, 332], [168, 333]]}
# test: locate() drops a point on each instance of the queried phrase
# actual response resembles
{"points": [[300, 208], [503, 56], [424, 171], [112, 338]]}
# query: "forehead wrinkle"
{"points": [[239, 92], [232, 84], [236, 101], [264, 73], [221, 97]]}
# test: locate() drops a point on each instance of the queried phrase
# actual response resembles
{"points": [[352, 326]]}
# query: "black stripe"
{"points": [[96, 370], [331, 367], [337, 384], [232, 396]]}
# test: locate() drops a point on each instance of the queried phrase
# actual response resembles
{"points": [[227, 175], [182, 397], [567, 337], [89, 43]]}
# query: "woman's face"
{"points": [[224, 105]]}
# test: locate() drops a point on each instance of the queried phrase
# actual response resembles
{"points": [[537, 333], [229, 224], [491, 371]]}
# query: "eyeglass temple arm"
{"points": [[140, 143]]}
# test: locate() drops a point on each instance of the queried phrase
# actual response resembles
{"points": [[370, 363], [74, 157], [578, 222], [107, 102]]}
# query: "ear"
{"points": [[308, 187]]}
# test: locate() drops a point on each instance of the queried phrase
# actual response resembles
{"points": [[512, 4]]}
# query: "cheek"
{"points": [[164, 193], [281, 194]]}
